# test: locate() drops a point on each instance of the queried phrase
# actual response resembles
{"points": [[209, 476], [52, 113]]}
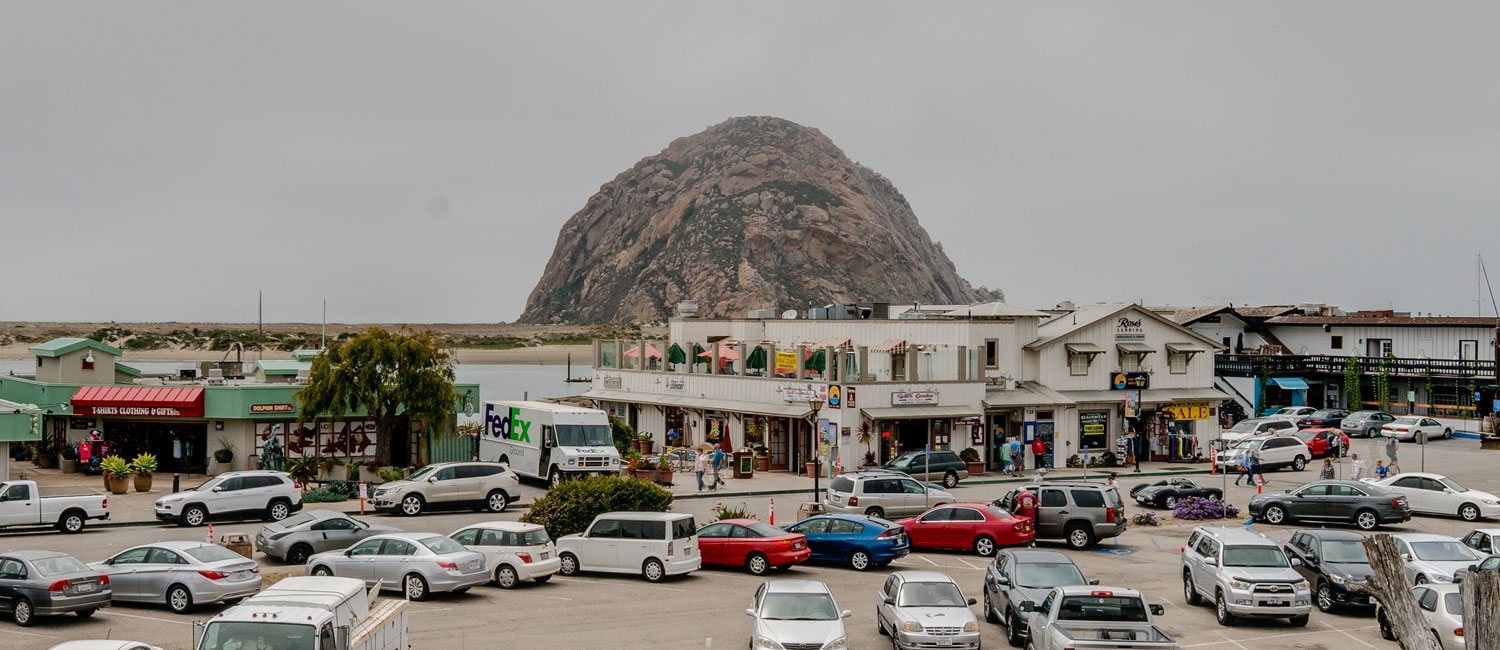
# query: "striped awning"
{"points": [[893, 346], [832, 342]]}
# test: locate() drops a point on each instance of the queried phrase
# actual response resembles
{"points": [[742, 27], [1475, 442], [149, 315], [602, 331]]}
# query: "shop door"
{"points": [[778, 445], [1045, 431], [911, 434]]}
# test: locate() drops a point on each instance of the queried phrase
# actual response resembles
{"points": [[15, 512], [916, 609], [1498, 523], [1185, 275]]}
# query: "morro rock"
{"points": [[755, 212]]}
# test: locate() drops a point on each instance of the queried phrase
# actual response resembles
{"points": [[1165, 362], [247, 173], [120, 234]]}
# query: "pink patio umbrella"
{"points": [[725, 352], [651, 352]]}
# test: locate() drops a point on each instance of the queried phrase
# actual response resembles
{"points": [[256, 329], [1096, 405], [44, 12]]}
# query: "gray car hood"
{"points": [[819, 632], [1445, 569], [1263, 574], [938, 616]]}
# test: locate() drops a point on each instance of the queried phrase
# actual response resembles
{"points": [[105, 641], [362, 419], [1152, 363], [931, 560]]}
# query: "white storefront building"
{"points": [[960, 379]]}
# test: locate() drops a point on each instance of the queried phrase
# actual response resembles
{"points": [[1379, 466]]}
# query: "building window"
{"points": [[1078, 364], [1336, 342], [1468, 349], [1130, 362], [1377, 347], [991, 353], [1229, 345], [1177, 363]]}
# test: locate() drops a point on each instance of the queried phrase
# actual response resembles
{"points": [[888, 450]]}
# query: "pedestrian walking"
{"points": [[1112, 483], [1380, 469], [700, 465], [719, 458], [1005, 456], [1017, 456], [1391, 443], [1359, 468], [1327, 473], [1038, 448]]}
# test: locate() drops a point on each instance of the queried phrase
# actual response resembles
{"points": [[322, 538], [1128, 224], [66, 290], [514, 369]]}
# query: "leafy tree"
{"points": [[399, 379], [623, 434]]}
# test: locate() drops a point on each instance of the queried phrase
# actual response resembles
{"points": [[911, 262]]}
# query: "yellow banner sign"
{"points": [[786, 361], [1187, 410]]}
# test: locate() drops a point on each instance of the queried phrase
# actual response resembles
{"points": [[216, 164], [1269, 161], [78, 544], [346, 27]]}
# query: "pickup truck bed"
{"points": [[1114, 635]]}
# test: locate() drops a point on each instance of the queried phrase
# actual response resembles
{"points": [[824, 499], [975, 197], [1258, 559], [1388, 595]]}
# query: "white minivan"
{"points": [[653, 544], [517, 551]]}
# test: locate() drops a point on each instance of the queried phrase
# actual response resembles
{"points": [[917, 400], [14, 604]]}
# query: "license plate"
{"points": [[474, 564], [945, 641], [546, 555], [1274, 603], [85, 587]]}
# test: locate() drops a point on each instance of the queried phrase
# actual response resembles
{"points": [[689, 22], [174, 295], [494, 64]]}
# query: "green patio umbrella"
{"points": [[757, 360], [815, 362], [697, 352], [676, 355]]}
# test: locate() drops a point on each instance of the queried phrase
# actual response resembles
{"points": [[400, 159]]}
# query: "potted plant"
{"points": [[869, 460], [223, 457], [303, 470], [644, 443], [762, 459], [143, 467], [814, 467], [865, 436], [327, 465], [116, 471], [663, 471], [631, 459], [970, 457], [69, 459]]}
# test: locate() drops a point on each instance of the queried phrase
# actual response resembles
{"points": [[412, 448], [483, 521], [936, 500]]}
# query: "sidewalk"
{"points": [[138, 509]]}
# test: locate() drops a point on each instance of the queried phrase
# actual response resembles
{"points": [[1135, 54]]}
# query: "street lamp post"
{"points": [[817, 442]]}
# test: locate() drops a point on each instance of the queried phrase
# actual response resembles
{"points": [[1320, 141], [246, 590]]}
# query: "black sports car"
{"points": [[1167, 492]]}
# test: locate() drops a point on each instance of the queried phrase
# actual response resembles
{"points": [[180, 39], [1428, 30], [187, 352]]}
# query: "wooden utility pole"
{"points": [[1389, 585], [1481, 591]]}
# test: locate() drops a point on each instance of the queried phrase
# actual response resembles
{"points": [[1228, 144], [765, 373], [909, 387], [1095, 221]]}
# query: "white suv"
{"points": [[256, 493], [1275, 452]]}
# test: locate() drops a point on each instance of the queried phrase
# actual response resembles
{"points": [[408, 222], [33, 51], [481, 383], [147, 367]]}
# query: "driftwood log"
{"points": [[1481, 596], [1388, 584]]}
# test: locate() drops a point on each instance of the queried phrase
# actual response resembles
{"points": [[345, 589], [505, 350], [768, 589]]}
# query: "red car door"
{"points": [[965, 525], [741, 541], [712, 541], [927, 530]]}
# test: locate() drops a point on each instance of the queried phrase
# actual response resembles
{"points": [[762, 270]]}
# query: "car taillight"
{"points": [[1398, 502], [104, 503], [853, 500], [671, 549], [103, 580], [447, 566], [58, 586], [1458, 632], [1102, 594], [890, 533], [297, 485], [525, 557], [213, 575], [1109, 515]]}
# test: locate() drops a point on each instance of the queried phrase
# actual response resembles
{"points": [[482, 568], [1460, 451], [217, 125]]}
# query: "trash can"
{"points": [[809, 509], [744, 464], [239, 543]]}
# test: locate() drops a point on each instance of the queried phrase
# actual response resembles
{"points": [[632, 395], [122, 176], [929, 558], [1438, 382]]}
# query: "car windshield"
{"points": [[766, 530], [903, 459], [1247, 444], [207, 485], [1344, 551], [583, 435], [442, 545], [421, 474], [258, 634], [1305, 434], [1452, 484], [930, 594], [798, 607], [1254, 556], [213, 553], [1441, 551], [1322, 414], [294, 521], [1243, 426], [1048, 575], [57, 565], [1102, 608]]}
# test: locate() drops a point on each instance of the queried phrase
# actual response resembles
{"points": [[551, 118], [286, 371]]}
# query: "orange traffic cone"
{"points": [[1259, 482], [773, 511]]}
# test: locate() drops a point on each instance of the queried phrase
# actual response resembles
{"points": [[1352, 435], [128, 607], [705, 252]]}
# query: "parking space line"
{"points": [[1237, 644], [150, 618], [1274, 636], [966, 563], [40, 636], [1351, 636], [924, 559], [617, 584]]}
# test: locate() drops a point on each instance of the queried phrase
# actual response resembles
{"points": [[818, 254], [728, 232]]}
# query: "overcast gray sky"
{"points": [[414, 161]]}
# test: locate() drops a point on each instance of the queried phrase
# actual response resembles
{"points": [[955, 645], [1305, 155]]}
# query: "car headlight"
{"points": [[1235, 583], [1438, 577], [841, 643], [1337, 579], [572, 462], [766, 643], [971, 626], [911, 626], [1491, 502], [1300, 585]]}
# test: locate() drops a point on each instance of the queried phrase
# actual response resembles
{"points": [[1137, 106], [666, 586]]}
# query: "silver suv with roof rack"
{"points": [[1246, 574], [1078, 512], [882, 493]]}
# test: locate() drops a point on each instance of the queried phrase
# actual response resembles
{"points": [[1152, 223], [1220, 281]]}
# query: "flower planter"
{"points": [[644, 447], [142, 483], [69, 466], [648, 475], [220, 468], [975, 469], [762, 463], [664, 477], [117, 484], [813, 469]]}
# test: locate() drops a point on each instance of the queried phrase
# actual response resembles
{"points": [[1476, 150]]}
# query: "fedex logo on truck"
{"points": [[507, 423]]}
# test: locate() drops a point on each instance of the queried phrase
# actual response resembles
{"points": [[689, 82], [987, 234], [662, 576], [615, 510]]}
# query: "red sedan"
{"points": [[982, 527], [1320, 440], [748, 543]]}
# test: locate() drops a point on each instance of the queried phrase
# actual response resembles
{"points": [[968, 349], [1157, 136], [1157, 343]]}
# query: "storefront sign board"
{"points": [[1094, 427], [1130, 381], [786, 362], [612, 382], [1187, 410], [1129, 329], [273, 408], [675, 385], [799, 394], [153, 411], [835, 397], [914, 398]]}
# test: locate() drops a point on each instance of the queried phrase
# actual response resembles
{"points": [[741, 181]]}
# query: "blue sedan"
{"points": [[860, 541]]}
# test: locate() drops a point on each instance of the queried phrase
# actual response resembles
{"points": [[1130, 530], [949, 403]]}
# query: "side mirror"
{"points": [[846, 614], [973, 602], [1028, 607], [1473, 567], [889, 600], [432, 479], [1158, 610], [1213, 561], [218, 488], [1094, 581], [1296, 562], [1406, 556], [1002, 581], [749, 612], [1447, 490], [4, 498]]}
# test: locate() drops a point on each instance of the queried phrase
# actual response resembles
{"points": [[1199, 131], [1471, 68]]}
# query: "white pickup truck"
{"points": [[308, 613], [1086, 617], [22, 504]]}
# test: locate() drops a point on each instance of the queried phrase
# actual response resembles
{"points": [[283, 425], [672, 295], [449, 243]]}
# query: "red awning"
{"points": [[167, 401]]}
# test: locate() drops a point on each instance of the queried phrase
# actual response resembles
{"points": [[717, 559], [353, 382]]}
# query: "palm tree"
{"points": [[866, 436]]}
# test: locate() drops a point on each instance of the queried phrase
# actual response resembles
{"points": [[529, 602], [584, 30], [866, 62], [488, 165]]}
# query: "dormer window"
{"points": [[88, 360]]}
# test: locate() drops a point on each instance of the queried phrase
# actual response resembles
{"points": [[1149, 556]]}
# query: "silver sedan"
{"points": [[180, 574], [925, 609], [44, 583], [417, 564], [299, 536]]}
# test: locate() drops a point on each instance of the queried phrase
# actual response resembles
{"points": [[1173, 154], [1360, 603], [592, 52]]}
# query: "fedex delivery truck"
{"points": [[550, 441]]}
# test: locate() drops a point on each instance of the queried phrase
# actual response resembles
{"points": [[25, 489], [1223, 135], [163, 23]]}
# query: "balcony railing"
{"points": [[1251, 365]]}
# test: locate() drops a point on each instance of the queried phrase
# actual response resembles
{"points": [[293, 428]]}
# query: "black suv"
{"points": [[1331, 559]]}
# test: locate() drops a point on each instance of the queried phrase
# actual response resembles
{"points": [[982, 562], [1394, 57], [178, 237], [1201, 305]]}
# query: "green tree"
{"points": [[1353, 393], [399, 379]]}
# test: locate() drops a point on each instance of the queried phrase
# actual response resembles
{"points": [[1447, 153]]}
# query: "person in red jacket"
{"points": [[1026, 509], [1037, 449]]}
